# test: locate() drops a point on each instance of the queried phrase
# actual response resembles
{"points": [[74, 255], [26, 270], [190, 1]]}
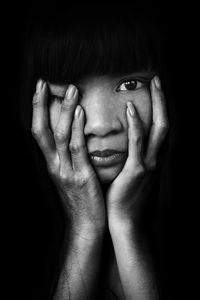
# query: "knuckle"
{"points": [[76, 180], [74, 148], [80, 180], [60, 135], [137, 171], [88, 174], [53, 166], [35, 99], [36, 132], [68, 105], [137, 140], [64, 177], [52, 170], [140, 170]]}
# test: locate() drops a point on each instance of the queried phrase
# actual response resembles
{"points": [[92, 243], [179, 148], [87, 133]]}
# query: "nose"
{"points": [[101, 115]]}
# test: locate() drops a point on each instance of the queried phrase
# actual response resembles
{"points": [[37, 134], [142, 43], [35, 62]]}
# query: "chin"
{"points": [[108, 174]]}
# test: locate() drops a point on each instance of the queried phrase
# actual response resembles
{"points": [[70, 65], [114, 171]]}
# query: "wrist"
{"points": [[130, 225], [126, 211], [86, 230]]}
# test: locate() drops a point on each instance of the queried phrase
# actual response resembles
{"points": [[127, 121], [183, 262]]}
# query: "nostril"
{"points": [[101, 128]]}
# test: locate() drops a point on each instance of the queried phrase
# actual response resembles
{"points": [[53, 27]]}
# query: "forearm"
{"points": [[134, 262], [80, 268]]}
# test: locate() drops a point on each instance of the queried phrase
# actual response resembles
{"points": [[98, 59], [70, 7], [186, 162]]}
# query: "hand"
{"points": [[66, 155], [128, 192]]}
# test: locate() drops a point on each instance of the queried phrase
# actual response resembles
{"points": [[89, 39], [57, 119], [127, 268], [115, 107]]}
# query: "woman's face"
{"points": [[104, 99]]}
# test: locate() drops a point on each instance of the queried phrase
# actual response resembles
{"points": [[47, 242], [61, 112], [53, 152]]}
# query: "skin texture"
{"points": [[107, 116], [106, 124]]}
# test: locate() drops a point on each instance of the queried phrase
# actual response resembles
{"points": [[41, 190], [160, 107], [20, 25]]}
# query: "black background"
{"points": [[25, 220]]}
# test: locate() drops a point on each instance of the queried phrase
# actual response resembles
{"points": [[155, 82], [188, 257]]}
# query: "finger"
{"points": [[40, 129], [79, 153], [62, 131], [135, 140], [159, 125]]}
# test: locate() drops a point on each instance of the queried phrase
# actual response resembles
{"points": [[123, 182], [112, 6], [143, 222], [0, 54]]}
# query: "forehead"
{"points": [[60, 89]]}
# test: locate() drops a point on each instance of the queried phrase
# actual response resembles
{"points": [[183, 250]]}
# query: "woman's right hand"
{"points": [[67, 160]]}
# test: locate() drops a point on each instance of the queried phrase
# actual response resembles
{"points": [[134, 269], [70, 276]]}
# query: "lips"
{"points": [[104, 153], [106, 158]]}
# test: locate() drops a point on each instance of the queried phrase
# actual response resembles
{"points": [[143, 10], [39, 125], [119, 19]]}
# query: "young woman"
{"points": [[101, 116]]}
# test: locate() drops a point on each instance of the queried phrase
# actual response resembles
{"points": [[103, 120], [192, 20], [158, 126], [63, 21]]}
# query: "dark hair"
{"points": [[69, 51]]}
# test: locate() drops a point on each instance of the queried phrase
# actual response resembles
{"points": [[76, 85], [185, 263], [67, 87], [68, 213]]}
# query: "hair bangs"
{"points": [[73, 52]]}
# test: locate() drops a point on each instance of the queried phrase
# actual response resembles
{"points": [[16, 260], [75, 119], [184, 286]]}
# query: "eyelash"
{"points": [[137, 81]]}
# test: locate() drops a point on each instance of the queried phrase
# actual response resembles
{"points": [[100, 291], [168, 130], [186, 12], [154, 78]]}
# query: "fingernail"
{"points": [[70, 91], [157, 82], [39, 85], [78, 111], [131, 108]]}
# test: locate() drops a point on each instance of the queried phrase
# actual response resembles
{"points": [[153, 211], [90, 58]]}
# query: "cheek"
{"points": [[54, 114], [142, 102]]}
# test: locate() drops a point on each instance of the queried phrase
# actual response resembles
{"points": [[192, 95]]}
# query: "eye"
{"points": [[129, 85]]}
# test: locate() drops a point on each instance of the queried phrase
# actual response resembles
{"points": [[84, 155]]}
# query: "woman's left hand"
{"points": [[127, 193]]}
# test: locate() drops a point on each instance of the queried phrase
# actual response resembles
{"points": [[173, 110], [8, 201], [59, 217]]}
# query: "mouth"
{"points": [[107, 158]]}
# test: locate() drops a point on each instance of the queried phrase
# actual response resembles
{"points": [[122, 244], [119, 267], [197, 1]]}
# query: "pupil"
{"points": [[130, 85]]}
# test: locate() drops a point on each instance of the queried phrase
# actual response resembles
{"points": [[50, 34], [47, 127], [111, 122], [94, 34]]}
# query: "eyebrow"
{"points": [[57, 90]]}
